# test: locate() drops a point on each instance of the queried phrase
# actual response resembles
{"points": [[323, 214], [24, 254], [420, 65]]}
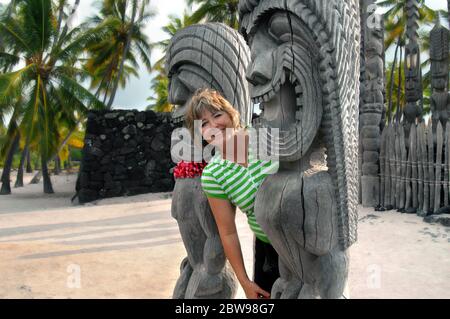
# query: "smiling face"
{"points": [[211, 115], [216, 127]]}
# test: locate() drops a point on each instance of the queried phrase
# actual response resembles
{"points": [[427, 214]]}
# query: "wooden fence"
{"points": [[414, 168]]}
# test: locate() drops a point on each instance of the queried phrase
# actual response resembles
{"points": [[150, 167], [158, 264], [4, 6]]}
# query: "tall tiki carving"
{"points": [[372, 105], [305, 73], [439, 55], [214, 56], [413, 72]]}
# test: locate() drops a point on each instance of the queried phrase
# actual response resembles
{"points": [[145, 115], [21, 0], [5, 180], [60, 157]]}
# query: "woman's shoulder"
{"points": [[211, 168]]}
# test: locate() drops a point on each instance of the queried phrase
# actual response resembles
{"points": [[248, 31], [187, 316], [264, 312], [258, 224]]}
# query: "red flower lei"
{"points": [[189, 169]]}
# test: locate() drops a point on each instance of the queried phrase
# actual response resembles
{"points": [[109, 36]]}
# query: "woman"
{"points": [[232, 179]]}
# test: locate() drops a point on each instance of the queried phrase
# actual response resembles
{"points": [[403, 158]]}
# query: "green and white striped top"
{"points": [[225, 179]]}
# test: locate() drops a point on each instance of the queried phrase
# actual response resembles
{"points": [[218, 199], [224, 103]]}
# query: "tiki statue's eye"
{"points": [[280, 27]]}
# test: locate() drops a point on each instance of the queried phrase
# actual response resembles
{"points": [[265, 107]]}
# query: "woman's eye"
{"points": [[203, 124], [217, 114]]}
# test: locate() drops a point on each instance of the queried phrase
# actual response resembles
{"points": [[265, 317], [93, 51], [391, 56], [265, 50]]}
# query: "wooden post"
{"points": [[446, 168], [382, 169], [431, 162], [439, 143], [420, 171], [403, 168], [410, 193], [414, 167], [392, 170], [426, 171]]}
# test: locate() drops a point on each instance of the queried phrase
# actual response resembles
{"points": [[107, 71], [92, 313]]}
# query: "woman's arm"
{"points": [[224, 214]]}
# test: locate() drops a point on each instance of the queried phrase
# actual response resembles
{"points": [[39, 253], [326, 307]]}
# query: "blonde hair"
{"points": [[209, 100]]}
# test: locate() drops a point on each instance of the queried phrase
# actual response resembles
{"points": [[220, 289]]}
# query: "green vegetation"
{"points": [[53, 72], [395, 21], [44, 61]]}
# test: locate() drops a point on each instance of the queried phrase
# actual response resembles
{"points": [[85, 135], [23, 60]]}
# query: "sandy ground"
{"points": [[130, 247]]}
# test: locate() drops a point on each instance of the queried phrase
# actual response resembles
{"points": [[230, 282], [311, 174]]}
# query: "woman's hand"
{"points": [[253, 291]]}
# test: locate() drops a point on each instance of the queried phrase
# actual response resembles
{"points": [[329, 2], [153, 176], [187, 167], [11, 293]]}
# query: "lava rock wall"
{"points": [[125, 153]]}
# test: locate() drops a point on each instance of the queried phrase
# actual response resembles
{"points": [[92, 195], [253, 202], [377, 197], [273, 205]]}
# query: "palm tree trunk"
{"points": [[48, 188], [29, 168], [37, 178], [391, 88], [19, 179], [57, 161], [66, 139], [69, 160], [124, 55], [6, 175]]}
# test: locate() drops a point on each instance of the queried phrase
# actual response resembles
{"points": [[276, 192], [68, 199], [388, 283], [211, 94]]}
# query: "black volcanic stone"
{"points": [[140, 117], [131, 143], [119, 159], [140, 156], [136, 191], [119, 170], [111, 116], [151, 116], [149, 127], [90, 166], [86, 195], [108, 178], [107, 146], [137, 174], [118, 143], [158, 143], [97, 176], [130, 130], [126, 152], [106, 160], [95, 185], [120, 177], [84, 179], [107, 168], [95, 151]]}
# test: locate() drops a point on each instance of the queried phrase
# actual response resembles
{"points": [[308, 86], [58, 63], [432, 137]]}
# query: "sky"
{"points": [[135, 95]]}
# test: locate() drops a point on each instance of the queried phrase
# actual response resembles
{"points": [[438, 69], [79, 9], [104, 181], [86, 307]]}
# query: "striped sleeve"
{"points": [[210, 185]]}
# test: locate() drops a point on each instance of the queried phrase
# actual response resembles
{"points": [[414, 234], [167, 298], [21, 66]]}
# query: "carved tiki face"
{"points": [[439, 51], [210, 55], [284, 79], [413, 85]]}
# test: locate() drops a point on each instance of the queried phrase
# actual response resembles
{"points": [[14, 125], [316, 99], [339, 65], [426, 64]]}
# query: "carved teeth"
{"points": [[277, 87]]}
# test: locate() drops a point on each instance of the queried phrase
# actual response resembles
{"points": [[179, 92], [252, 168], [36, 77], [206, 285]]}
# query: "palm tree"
{"points": [[159, 87], [225, 11], [395, 18], [47, 87], [175, 24], [395, 21], [126, 38], [160, 82]]}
